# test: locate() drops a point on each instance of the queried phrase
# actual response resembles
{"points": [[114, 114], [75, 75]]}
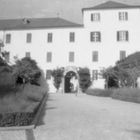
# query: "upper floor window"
{"points": [[95, 37], [122, 55], [8, 38], [49, 57], [95, 17], [29, 38], [95, 56], [72, 36], [123, 16], [28, 54], [50, 36], [71, 56], [122, 35]]}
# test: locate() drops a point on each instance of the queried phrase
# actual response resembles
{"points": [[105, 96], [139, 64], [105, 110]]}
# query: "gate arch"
{"points": [[70, 72]]}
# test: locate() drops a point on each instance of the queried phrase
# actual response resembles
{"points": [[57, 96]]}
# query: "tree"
{"points": [[57, 75], [125, 72], [84, 78], [27, 69]]}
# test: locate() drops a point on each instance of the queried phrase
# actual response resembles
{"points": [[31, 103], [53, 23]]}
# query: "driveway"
{"points": [[84, 117]]}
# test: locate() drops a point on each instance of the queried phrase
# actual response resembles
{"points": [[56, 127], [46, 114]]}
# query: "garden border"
{"points": [[35, 120]]}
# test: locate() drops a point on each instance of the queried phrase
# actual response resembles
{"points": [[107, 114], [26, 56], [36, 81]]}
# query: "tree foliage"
{"points": [[84, 78], [27, 69], [57, 75]]}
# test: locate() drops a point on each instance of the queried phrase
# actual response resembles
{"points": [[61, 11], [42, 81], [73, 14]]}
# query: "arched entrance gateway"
{"points": [[70, 80]]}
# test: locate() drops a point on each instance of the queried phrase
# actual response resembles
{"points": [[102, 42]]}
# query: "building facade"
{"points": [[110, 31]]}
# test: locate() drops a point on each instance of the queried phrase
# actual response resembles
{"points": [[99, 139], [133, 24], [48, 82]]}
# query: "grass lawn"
{"points": [[23, 99], [125, 94]]}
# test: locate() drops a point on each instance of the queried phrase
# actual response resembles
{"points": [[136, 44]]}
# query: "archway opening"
{"points": [[69, 85]]}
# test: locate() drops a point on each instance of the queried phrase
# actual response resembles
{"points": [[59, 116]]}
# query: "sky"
{"points": [[67, 9]]}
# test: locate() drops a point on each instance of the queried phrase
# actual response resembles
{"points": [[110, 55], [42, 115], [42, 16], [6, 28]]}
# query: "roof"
{"points": [[111, 5], [33, 23]]}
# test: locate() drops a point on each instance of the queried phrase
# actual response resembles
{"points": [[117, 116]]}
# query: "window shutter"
{"points": [[127, 36], [118, 36], [99, 36]]}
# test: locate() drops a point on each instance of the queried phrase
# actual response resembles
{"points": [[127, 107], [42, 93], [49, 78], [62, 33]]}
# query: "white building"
{"points": [[110, 32]]}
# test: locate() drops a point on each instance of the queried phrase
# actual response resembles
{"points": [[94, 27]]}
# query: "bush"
{"points": [[127, 94], [84, 78], [99, 92]]}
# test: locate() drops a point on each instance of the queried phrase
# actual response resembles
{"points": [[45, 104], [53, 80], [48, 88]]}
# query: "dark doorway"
{"points": [[68, 85]]}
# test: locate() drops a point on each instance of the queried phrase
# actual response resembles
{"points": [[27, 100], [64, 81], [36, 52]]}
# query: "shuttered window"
{"points": [[95, 36], [122, 36], [123, 16], [95, 17]]}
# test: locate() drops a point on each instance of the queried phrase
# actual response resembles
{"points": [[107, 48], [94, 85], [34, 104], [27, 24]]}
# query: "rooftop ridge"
{"points": [[111, 5]]}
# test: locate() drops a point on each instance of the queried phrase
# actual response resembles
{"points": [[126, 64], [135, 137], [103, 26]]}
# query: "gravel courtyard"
{"points": [[84, 117], [89, 118]]}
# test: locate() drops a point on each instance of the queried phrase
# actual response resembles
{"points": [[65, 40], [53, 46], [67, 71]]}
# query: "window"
{"points": [[49, 57], [123, 16], [72, 37], [8, 38], [29, 38], [95, 56], [48, 74], [7, 56], [95, 36], [122, 55], [28, 54], [50, 37], [122, 36], [95, 17], [95, 74], [71, 56]]}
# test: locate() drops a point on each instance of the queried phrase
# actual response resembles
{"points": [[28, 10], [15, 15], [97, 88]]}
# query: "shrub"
{"points": [[84, 78], [16, 119], [99, 92], [127, 94]]}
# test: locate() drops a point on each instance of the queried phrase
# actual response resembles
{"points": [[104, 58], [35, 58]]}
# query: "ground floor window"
{"points": [[48, 74]]}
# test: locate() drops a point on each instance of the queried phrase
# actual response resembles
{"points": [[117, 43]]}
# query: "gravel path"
{"points": [[84, 117]]}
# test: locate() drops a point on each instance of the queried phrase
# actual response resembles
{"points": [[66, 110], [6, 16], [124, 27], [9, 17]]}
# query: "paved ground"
{"points": [[84, 118]]}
